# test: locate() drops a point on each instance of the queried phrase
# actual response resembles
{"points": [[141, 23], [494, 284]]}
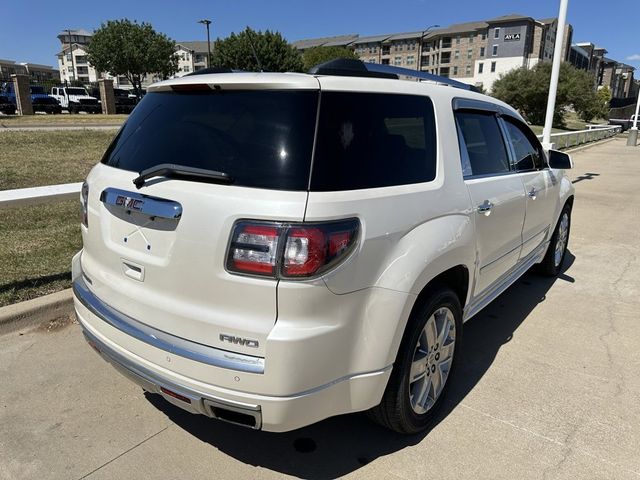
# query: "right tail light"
{"points": [[290, 250]]}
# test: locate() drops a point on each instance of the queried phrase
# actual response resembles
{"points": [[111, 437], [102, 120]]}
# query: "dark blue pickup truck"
{"points": [[41, 100]]}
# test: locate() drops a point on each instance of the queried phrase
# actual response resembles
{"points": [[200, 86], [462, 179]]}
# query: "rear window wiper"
{"points": [[171, 170]]}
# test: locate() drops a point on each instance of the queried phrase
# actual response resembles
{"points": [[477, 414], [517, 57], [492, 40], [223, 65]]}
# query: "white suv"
{"points": [[275, 249]]}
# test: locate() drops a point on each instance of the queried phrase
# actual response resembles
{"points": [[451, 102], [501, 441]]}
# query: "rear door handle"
{"points": [[533, 194], [485, 208]]}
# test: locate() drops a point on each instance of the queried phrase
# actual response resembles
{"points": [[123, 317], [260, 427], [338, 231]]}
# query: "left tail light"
{"points": [[84, 202], [290, 250]]}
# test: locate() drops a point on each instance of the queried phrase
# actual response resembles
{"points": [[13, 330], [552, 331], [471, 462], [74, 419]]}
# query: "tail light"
{"points": [[84, 199], [284, 250]]}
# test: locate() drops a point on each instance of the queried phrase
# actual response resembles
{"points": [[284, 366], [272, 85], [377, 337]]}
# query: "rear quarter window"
{"points": [[369, 140]]}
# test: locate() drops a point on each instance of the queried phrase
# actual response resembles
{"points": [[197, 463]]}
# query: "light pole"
{"points": [[424, 32], [207, 23], [73, 63], [555, 75], [632, 139]]}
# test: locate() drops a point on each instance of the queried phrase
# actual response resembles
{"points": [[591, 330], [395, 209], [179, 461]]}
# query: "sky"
{"points": [[29, 27]]}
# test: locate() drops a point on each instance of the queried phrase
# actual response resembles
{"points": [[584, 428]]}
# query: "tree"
{"points": [[527, 90], [132, 50], [271, 49], [315, 55]]}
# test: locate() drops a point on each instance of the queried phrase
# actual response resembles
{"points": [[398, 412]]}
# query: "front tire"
{"points": [[551, 265], [426, 361]]}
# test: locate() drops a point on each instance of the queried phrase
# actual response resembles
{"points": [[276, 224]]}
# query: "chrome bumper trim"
{"points": [[163, 340], [198, 402]]}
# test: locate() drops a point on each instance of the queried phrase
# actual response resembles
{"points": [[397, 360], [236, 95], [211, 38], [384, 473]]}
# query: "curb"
{"points": [[34, 312]]}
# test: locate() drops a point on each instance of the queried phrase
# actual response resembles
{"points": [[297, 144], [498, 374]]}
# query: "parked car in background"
{"points": [[124, 102], [625, 123], [76, 99], [6, 106], [307, 245], [42, 101]]}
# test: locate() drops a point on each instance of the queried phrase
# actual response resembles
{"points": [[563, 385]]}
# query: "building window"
{"points": [[397, 61], [445, 57], [456, 54], [472, 37], [385, 61], [83, 70], [467, 70], [480, 67], [68, 57], [410, 60], [81, 59], [385, 50], [493, 67], [482, 51], [425, 61], [446, 42], [444, 72], [457, 39], [484, 36], [470, 53], [494, 51], [186, 68], [455, 71], [496, 33], [70, 69], [372, 60]]}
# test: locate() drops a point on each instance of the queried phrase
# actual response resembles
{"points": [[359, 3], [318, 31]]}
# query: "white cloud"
{"points": [[635, 57]]}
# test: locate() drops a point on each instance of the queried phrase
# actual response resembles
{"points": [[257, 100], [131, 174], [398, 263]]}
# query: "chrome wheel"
{"points": [[561, 241], [432, 360]]}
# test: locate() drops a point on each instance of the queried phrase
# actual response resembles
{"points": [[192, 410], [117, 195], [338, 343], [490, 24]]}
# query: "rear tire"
{"points": [[551, 265], [424, 366]]}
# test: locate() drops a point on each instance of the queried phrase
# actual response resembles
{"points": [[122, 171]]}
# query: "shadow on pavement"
{"points": [[340, 445]]}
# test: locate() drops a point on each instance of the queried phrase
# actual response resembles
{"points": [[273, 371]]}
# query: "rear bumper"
{"points": [[307, 375]]}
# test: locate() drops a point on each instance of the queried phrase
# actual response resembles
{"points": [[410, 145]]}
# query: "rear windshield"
{"points": [[261, 139]]}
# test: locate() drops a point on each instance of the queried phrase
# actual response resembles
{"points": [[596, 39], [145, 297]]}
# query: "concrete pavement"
{"points": [[548, 387]]}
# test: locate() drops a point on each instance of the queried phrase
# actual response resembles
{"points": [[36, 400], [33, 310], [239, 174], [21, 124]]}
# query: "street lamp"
{"points": [[424, 32], [73, 64], [632, 139], [207, 23], [555, 75]]}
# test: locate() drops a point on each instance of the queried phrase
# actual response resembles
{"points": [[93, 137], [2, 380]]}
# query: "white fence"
{"points": [[57, 193], [580, 137]]}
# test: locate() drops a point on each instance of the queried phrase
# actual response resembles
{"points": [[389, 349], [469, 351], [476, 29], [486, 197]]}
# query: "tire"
{"points": [[551, 264], [405, 408]]}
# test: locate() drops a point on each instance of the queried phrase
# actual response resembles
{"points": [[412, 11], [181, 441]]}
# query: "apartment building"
{"points": [[474, 52], [37, 72], [619, 77], [192, 56]]}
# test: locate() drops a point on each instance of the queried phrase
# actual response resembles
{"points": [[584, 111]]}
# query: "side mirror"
{"points": [[560, 160]]}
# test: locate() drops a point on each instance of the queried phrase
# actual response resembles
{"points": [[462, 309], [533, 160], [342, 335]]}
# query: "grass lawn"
{"points": [[572, 123], [37, 242], [62, 119]]}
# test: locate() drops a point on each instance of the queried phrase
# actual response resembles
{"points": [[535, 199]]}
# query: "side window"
{"points": [[482, 147], [369, 140], [526, 147]]}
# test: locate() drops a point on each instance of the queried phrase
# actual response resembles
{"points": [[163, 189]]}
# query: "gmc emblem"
{"points": [[245, 342], [130, 203]]}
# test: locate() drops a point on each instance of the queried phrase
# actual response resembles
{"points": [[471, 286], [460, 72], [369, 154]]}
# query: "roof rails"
{"points": [[357, 68]]}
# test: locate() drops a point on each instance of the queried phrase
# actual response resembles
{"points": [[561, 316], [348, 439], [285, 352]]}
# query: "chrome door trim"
{"points": [[163, 340], [145, 204]]}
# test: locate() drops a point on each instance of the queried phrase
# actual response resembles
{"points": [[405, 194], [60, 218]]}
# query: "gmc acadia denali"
{"points": [[272, 249]]}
